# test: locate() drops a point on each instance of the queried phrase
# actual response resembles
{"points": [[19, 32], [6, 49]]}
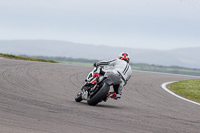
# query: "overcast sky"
{"points": [[155, 24]]}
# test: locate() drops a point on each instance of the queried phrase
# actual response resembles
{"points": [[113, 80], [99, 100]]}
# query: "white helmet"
{"points": [[124, 56]]}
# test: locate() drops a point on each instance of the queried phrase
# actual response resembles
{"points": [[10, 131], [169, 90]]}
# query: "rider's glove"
{"points": [[96, 64]]}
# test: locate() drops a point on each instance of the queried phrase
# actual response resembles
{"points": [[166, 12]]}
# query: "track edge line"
{"points": [[164, 86]]}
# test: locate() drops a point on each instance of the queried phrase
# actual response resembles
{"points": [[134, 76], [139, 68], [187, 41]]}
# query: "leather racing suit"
{"points": [[121, 69]]}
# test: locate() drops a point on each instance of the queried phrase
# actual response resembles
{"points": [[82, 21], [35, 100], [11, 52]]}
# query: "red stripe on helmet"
{"points": [[125, 55]]}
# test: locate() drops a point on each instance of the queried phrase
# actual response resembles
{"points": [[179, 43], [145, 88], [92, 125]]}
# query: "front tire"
{"points": [[78, 98], [99, 96]]}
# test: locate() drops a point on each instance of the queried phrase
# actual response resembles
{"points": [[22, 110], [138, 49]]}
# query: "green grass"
{"points": [[135, 66], [77, 63], [143, 67], [10, 56], [189, 89]]}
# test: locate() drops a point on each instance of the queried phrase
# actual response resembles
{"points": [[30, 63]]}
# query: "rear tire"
{"points": [[99, 96]]}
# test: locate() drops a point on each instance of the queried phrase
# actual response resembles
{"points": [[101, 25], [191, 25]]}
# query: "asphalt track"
{"points": [[39, 98]]}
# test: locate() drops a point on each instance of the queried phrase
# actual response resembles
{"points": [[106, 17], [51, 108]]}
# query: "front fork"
{"points": [[85, 95], [85, 91]]}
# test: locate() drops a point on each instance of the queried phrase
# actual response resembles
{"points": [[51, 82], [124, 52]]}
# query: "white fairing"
{"points": [[90, 75]]}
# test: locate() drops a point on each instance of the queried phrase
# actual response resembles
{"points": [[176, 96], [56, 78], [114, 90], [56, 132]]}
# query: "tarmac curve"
{"points": [[38, 97]]}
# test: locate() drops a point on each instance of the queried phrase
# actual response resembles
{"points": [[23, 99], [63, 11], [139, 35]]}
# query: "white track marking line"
{"points": [[164, 86]]}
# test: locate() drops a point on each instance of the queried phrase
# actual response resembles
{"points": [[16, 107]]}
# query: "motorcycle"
{"points": [[97, 86]]}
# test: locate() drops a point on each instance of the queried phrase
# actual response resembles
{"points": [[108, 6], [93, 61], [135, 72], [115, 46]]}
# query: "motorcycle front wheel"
{"points": [[78, 97]]}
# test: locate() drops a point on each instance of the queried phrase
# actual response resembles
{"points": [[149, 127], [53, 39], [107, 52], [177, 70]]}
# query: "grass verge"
{"points": [[135, 66], [189, 89], [10, 56]]}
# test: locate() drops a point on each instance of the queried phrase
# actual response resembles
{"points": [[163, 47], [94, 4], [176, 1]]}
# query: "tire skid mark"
{"points": [[76, 78], [39, 97]]}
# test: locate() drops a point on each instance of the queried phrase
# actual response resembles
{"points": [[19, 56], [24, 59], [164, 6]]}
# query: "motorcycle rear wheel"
{"points": [[99, 96]]}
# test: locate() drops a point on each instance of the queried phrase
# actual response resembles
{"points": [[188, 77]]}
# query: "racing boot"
{"points": [[113, 95]]}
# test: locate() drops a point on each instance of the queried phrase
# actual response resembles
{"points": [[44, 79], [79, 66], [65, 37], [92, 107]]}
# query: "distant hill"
{"points": [[185, 57]]}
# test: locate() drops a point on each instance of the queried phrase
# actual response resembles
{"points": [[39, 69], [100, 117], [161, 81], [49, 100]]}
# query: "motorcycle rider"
{"points": [[121, 69]]}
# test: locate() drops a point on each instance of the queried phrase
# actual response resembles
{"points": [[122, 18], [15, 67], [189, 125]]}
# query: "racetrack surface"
{"points": [[39, 97]]}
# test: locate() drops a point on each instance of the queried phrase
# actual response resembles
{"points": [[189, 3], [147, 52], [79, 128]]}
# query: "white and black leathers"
{"points": [[122, 67]]}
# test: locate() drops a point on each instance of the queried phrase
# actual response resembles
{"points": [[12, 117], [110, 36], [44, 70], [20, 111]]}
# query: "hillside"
{"points": [[186, 57]]}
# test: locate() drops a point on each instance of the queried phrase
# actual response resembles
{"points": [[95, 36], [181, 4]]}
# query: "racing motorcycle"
{"points": [[97, 86]]}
